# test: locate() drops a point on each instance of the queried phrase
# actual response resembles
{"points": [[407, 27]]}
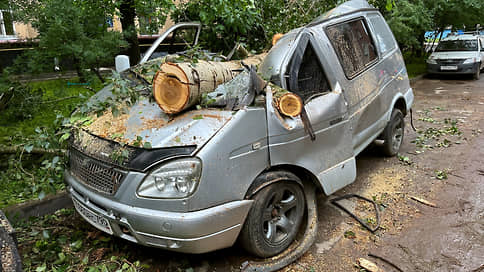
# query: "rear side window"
{"points": [[353, 45], [383, 34]]}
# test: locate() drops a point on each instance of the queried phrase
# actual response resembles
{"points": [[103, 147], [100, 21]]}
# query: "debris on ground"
{"points": [[368, 265], [423, 201]]}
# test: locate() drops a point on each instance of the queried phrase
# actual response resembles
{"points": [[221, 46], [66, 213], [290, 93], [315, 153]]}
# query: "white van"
{"points": [[458, 54]]}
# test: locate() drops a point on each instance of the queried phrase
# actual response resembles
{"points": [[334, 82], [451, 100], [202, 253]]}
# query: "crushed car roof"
{"points": [[345, 8]]}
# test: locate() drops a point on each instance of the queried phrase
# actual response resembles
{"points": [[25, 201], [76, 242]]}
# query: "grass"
{"points": [[416, 66], [15, 125], [30, 118]]}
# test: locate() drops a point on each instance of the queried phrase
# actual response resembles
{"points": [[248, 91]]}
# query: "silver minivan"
{"points": [[213, 176]]}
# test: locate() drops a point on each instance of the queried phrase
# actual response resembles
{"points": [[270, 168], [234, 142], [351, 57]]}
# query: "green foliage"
{"points": [[281, 16], [38, 104], [415, 65], [42, 177], [70, 30], [65, 242], [409, 19], [152, 14], [224, 22], [32, 119]]}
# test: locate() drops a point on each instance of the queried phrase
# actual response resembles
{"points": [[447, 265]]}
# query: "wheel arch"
{"points": [[401, 105], [295, 173]]}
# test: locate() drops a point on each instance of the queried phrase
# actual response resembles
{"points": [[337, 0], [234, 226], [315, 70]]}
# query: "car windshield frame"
{"points": [[457, 45]]}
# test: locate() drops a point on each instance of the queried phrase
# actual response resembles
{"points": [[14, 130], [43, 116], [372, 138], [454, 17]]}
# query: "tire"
{"points": [[478, 72], [393, 134], [274, 219]]}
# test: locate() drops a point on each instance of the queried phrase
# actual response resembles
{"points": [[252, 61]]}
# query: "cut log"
{"points": [[178, 86], [287, 103]]}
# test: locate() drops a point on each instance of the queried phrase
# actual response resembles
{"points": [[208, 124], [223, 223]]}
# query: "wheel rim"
{"points": [[280, 215], [397, 135]]}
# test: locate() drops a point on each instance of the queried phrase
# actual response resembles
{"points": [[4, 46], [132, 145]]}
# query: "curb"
{"points": [[37, 208]]}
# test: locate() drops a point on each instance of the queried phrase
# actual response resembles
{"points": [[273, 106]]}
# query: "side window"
{"points": [[382, 33], [306, 75], [353, 45]]}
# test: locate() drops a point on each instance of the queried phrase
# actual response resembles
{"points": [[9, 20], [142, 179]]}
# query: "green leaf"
{"points": [[197, 117], [61, 259], [77, 245], [29, 148], [55, 160], [389, 5], [64, 137], [147, 145], [45, 234], [41, 268], [41, 195]]}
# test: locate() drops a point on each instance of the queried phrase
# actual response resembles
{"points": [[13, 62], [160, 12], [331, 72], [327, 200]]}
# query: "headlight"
{"points": [[175, 179], [431, 61], [471, 60]]}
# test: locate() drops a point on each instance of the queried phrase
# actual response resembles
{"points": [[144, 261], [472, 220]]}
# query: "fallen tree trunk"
{"points": [[287, 103], [178, 86]]}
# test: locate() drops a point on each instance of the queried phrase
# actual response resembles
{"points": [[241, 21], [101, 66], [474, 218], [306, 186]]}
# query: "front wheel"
{"points": [[393, 134], [478, 72], [274, 219]]}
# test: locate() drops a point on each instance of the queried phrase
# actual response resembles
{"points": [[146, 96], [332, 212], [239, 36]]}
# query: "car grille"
{"points": [[93, 173], [450, 61]]}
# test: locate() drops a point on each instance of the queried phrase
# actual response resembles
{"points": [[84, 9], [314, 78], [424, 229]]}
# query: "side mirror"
{"points": [[122, 63]]}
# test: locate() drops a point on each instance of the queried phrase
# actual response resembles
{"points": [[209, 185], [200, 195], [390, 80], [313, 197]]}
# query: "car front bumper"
{"points": [[190, 232], [470, 68]]}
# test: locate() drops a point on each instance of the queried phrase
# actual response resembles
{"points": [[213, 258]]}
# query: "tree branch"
{"points": [[40, 151]]}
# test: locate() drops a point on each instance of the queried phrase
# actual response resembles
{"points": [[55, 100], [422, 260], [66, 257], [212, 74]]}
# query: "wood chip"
{"points": [[423, 201], [369, 265]]}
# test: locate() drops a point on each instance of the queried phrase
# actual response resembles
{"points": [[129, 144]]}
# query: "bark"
{"points": [[98, 74], [178, 86], [128, 14], [38, 151]]}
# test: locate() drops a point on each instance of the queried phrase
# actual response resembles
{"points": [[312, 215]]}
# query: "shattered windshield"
{"points": [[457, 45]]}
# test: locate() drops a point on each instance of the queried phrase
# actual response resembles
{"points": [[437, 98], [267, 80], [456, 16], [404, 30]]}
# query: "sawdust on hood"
{"points": [[107, 125]]}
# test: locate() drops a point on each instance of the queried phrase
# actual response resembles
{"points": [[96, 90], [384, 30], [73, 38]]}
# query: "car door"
{"points": [[175, 39], [329, 154], [373, 71]]}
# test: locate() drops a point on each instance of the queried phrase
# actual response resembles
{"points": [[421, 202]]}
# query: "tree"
{"points": [[248, 21], [77, 30], [151, 14], [71, 30], [409, 20]]}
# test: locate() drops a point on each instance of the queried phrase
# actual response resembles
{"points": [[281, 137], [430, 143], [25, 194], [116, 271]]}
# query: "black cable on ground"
{"points": [[334, 201], [411, 120], [298, 248]]}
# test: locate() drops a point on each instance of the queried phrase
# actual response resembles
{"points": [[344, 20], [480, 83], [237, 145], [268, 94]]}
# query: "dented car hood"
{"points": [[194, 127], [145, 125]]}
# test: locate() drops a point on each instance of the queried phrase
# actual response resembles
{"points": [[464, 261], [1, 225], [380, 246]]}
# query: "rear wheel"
{"points": [[274, 219], [393, 134]]}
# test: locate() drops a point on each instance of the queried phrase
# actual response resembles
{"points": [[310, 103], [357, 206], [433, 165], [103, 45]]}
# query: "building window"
{"points": [[6, 23]]}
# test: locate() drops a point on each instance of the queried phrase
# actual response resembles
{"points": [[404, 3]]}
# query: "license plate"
{"points": [[448, 68], [92, 217]]}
